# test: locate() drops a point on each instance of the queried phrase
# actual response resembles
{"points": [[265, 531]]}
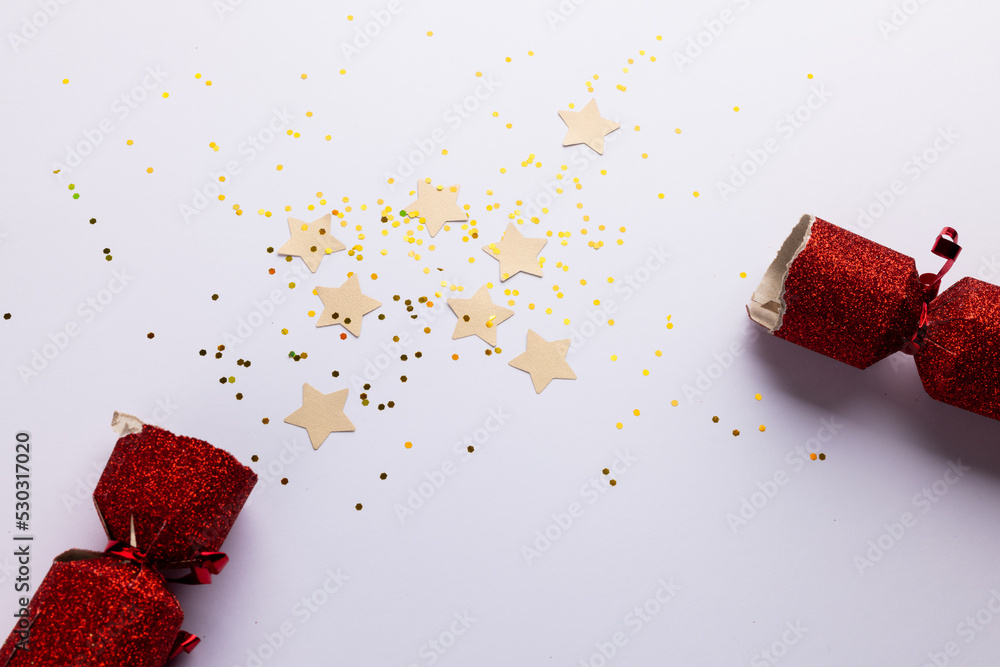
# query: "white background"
{"points": [[888, 95]]}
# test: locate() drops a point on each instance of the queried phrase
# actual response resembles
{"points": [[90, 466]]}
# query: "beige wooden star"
{"points": [[321, 414], [544, 360], [345, 305], [311, 241], [587, 127], [436, 205], [516, 253], [478, 316]]}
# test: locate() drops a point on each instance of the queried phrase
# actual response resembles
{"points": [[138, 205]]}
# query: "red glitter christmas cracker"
{"points": [[167, 502], [849, 298]]}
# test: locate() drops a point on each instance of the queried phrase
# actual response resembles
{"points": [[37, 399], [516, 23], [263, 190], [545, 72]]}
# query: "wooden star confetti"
{"points": [[478, 316], [544, 360], [587, 127], [345, 305], [516, 253], [311, 241], [321, 414], [436, 205]]}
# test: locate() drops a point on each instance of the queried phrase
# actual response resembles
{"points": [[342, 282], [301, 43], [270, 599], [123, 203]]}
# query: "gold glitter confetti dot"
{"points": [[762, 428], [674, 403], [813, 456], [736, 431], [715, 420], [758, 396], [619, 426], [743, 274], [613, 482], [408, 445], [636, 412]]}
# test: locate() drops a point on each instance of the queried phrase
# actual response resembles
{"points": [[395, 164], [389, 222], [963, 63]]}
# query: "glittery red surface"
{"points": [[183, 493], [850, 298], [98, 612], [959, 363]]}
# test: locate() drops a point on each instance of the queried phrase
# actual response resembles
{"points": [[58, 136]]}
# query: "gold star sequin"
{"points": [[544, 360], [587, 127], [345, 305], [321, 414], [478, 316], [516, 253], [436, 205], [311, 241]]}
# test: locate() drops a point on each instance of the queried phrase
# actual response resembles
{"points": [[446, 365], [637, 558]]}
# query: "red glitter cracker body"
{"points": [[851, 299], [98, 611], [182, 493], [960, 360], [166, 502]]}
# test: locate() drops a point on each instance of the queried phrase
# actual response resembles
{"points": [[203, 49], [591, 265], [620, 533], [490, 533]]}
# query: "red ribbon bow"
{"points": [[949, 249], [205, 563]]}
